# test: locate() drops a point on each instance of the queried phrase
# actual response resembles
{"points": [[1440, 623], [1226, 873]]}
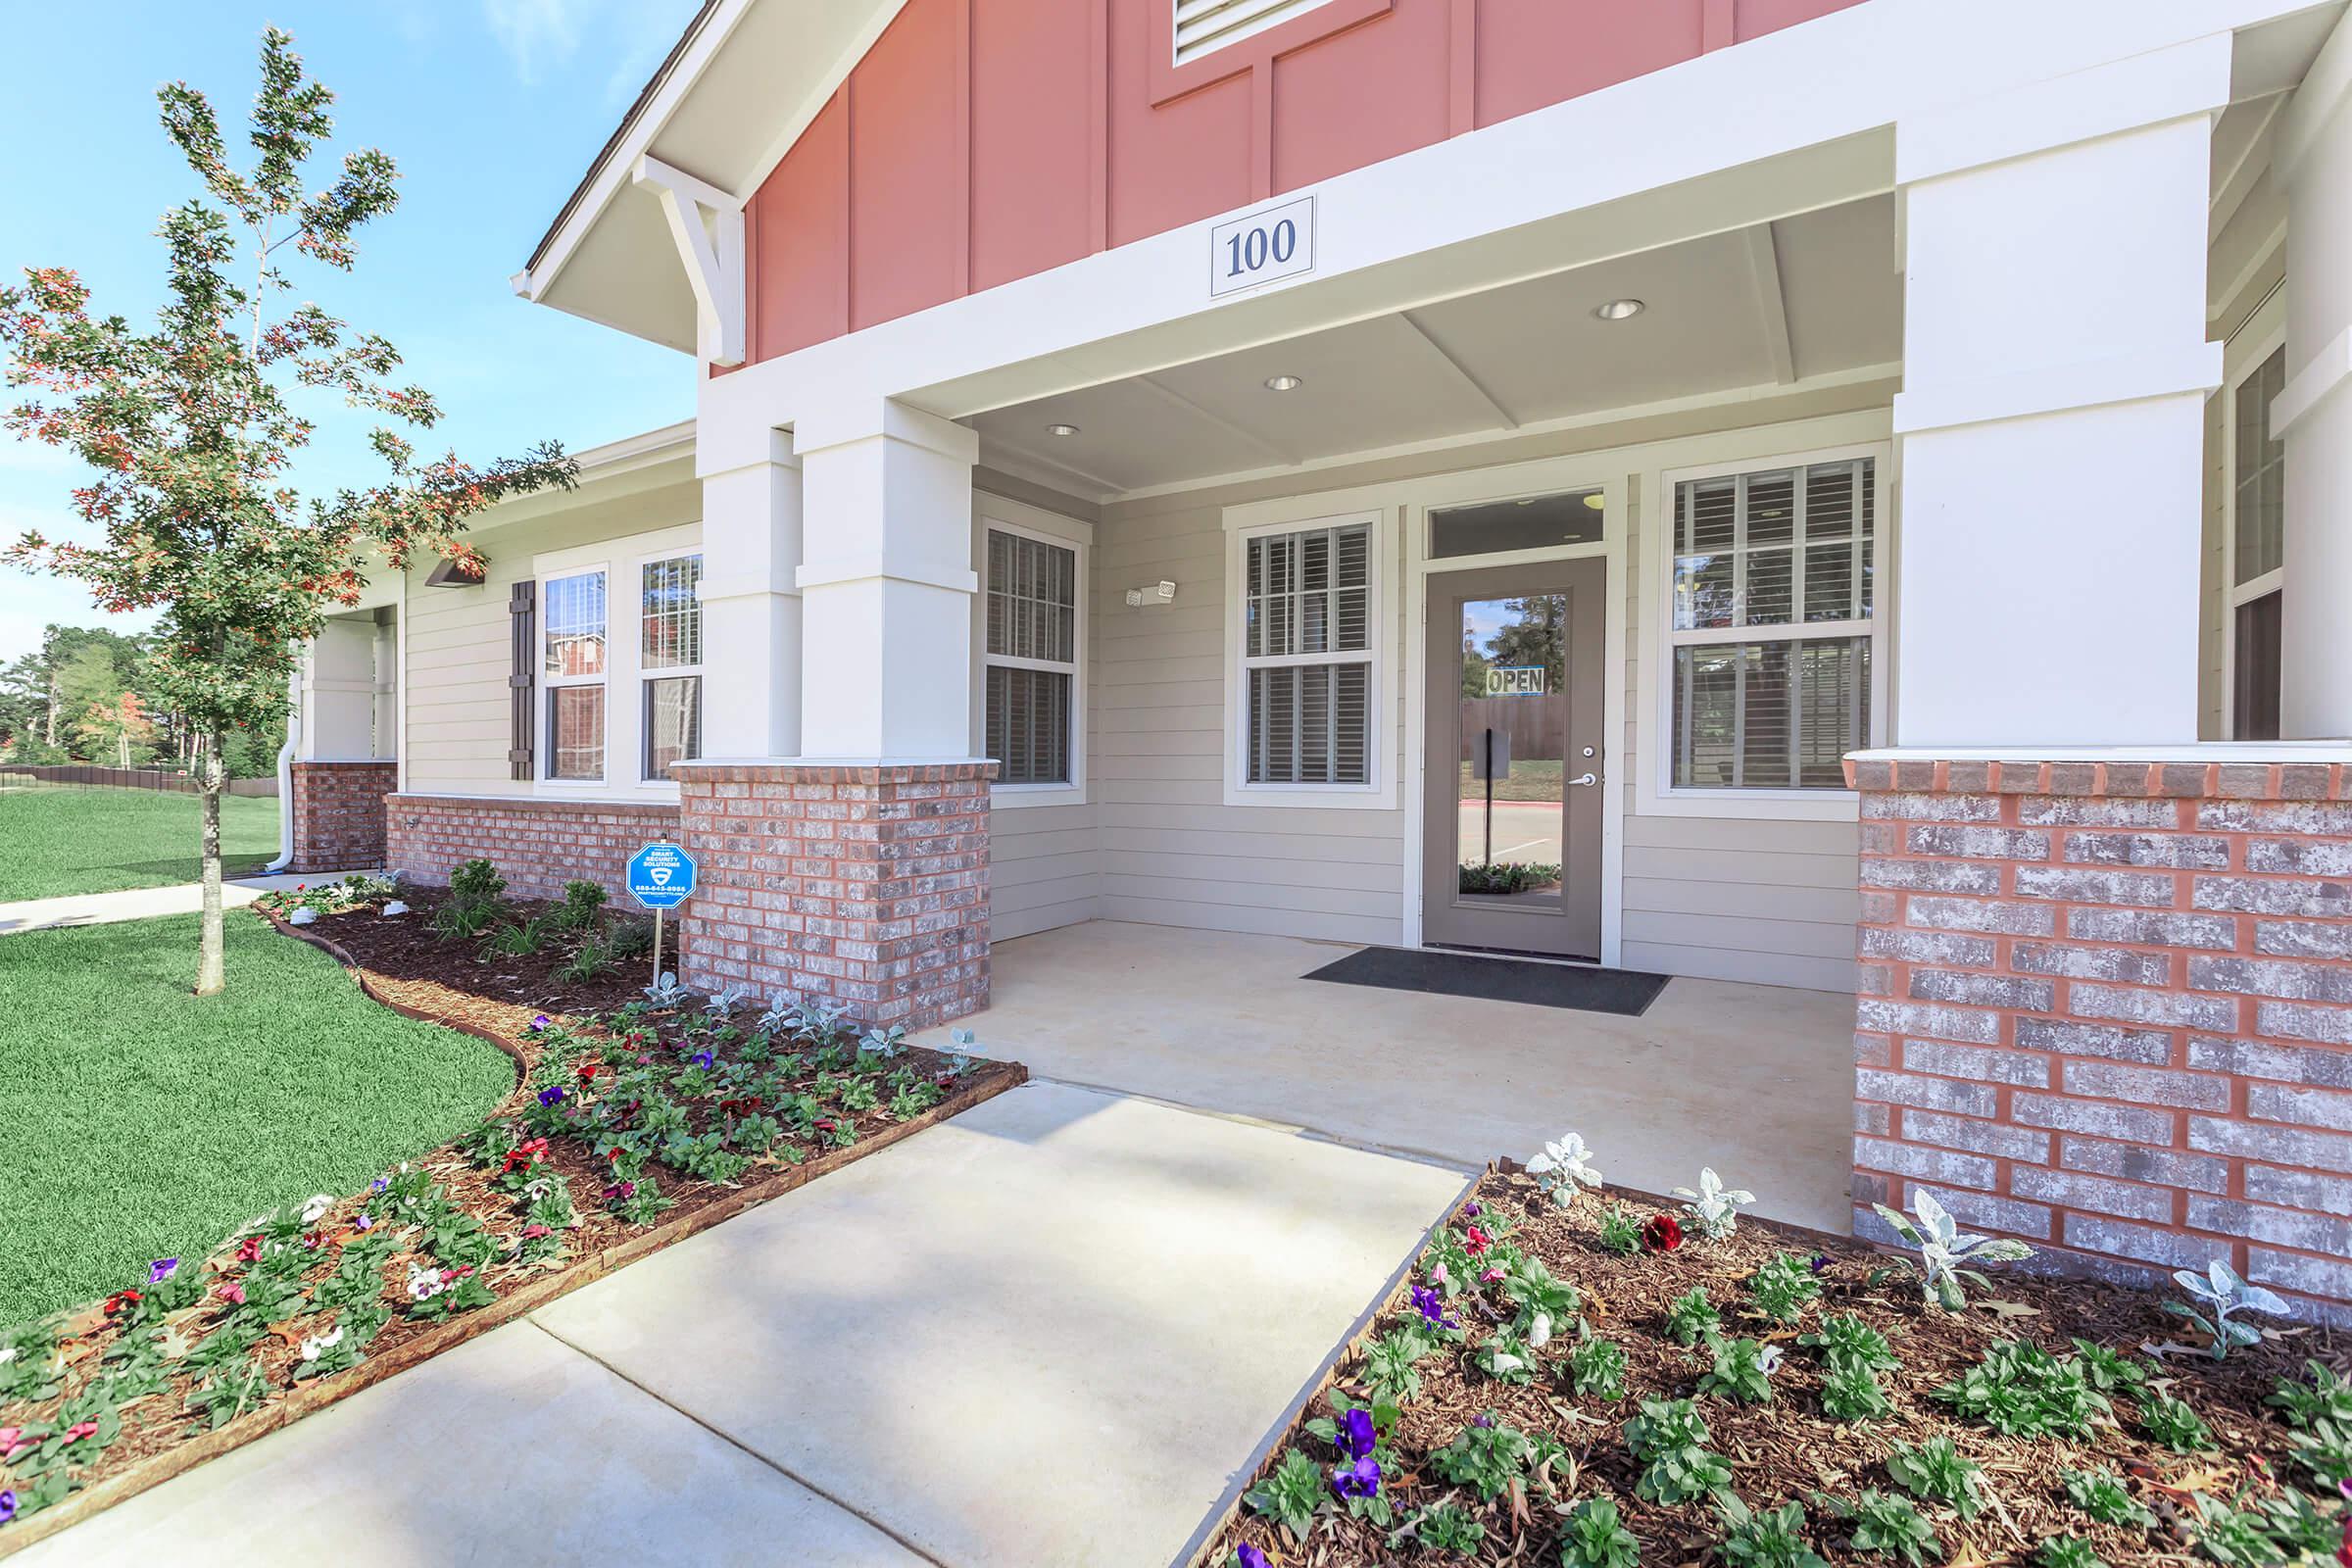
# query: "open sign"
{"points": [[1515, 680]]}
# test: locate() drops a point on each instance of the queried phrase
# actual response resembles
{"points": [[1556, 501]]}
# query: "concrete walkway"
{"points": [[140, 904], [1059, 1329], [1757, 1081]]}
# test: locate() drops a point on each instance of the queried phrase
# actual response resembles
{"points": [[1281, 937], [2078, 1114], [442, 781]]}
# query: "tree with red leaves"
{"points": [[192, 435]]}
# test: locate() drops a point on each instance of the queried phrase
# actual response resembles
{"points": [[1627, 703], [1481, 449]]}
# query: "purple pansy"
{"points": [[364, 1222], [552, 1096], [543, 1021], [1355, 1436], [379, 1184], [8, 1510], [1246, 1555], [1431, 1306], [162, 1269], [1357, 1479], [704, 1059], [1820, 1263], [1471, 1209], [1486, 1421]]}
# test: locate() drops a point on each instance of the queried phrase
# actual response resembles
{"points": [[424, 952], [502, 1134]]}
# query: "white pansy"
{"points": [[396, 907], [8, 1354], [306, 916], [1538, 1333], [424, 1283], [318, 1345], [1768, 1361], [315, 1209]]}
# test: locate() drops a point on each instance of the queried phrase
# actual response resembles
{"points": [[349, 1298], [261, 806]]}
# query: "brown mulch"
{"points": [[401, 964], [1789, 1450]]}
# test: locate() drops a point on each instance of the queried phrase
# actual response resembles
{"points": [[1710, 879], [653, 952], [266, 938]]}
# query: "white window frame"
{"points": [[1660, 796], [2264, 334], [1378, 792], [622, 561], [995, 513], [646, 677]]}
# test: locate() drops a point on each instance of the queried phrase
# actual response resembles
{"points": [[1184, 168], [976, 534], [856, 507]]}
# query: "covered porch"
{"points": [[1753, 1079]]}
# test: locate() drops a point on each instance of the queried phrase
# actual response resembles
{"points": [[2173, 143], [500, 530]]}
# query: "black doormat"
{"points": [[1626, 992]]}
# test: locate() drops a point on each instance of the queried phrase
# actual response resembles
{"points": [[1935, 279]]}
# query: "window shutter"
{"points": [[521, 603]]}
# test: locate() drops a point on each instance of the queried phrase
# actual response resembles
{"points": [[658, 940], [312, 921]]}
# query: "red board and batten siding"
{"points": [[982, 140], [2108, 1008]]}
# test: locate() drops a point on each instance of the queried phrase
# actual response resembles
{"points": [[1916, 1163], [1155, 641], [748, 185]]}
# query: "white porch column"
{"points": [[339, 692], [2314, 158], [751, 605], [887, 585], [2051, 421]]}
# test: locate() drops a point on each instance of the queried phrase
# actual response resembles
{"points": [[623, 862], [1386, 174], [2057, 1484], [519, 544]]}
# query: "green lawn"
{"points": [[66, 840], [143, 1123]]}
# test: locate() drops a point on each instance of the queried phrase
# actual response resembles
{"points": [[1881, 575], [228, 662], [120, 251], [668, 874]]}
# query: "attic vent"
{"points": [[1202, 25]]}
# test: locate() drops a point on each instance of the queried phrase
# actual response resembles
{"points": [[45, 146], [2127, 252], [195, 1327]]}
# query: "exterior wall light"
{"points": [[1162, 591]]}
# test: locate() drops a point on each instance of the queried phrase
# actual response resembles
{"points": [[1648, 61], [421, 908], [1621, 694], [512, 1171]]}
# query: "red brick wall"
{"points": [[339, 814], [2108, 1008], [537, 845], [864, 885]]}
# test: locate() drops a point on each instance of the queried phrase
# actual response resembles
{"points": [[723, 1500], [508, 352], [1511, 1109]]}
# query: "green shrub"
{"points": [[1773, 1538], [1782, 1288], [1596, 1366], [583, 902], [1594, 1538], [1936, 1471]]}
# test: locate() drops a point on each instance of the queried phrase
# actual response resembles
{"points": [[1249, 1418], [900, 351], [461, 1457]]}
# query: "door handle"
{"points": [[1585, 780]]}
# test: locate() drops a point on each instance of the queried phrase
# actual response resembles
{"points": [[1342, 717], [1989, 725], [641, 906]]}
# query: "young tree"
{"points": [[191, 431]]}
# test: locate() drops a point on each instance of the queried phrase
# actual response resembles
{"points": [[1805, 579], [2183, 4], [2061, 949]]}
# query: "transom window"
{"points": [[670, 662], [2257, 554], [1774, 626], [1306, 656], [573, 666], [1030, 659]]}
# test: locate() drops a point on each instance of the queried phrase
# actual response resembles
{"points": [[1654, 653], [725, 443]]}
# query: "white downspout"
{"points": [[285, 777]]}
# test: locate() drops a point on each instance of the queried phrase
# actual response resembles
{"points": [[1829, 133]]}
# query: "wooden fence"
{"points": [[84, 775]]}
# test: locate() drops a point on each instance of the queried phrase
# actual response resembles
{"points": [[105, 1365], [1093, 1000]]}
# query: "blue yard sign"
{"points": [[660, 876]]}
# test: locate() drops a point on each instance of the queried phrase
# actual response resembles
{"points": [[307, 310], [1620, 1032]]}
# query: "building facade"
{"points": [[1849, 494]]}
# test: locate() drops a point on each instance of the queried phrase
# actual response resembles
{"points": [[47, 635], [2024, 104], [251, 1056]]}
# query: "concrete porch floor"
{"points": [[1754, 1080]]}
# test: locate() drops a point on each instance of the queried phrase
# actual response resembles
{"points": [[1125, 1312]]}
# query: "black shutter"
{"points": [[521, 604]]}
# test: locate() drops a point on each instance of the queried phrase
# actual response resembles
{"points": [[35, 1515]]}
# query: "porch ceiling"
{"points": [[1801, 298]]}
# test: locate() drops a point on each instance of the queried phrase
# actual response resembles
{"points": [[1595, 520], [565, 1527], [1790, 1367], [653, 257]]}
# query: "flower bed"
{"points": [[1614, 1381], [634, 1124]]}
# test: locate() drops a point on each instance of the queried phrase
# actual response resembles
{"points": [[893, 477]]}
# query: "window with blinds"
{"points": [[1306, 656], [572, 662], [1774, 626], [1031, 657], [2258, 553], [1204, 26], [670, 661]]}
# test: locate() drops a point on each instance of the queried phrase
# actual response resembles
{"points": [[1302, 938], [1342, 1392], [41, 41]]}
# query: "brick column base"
{"points": [[338, 810], [865, 887], [2103, 1007]]}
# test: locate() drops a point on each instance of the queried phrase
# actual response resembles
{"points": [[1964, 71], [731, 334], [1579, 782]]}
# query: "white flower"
{"points": [[305, 915], [424, 1283], [1768, 1361], [318, 1345], [1538, 1333], [8, 1354], [315, 1209], [396, 907]]}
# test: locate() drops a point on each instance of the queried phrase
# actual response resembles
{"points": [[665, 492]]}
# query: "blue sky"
{"points": [[492, 109]]}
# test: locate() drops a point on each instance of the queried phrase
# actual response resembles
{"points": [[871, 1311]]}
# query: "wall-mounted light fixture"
{"points": [[1162, 591]]}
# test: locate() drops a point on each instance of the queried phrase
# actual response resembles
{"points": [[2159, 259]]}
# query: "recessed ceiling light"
{"points": [[1062, 430], [1620, 309], [1283, 383]]}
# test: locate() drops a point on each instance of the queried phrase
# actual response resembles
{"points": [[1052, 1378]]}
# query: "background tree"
{"points": [[192, 435], [119, 727]]}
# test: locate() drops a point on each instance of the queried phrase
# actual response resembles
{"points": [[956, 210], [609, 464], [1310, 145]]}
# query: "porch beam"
{"points": [[1240, 432], [1772, 301], [1505, 418]]}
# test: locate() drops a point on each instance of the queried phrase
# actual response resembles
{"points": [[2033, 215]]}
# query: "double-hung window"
{"points": [[1031, 660], [572, 665], [2257, 546], [1772, 627], [670, 664], [1309, 611]]}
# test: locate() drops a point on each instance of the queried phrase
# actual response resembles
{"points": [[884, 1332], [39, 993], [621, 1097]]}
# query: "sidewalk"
{"points": [[139, 904], [1059, 1329]]}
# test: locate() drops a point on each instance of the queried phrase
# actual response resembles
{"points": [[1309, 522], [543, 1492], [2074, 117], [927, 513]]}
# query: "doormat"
{"points": [[1626, 991]]}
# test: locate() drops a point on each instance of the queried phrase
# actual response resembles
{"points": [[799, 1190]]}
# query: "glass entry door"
{"points": [[1512, 795]]}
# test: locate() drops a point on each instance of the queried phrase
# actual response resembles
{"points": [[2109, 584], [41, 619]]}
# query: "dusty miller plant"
{"points": [[2218, 1293], [1561, 1169], [1715, 1206], [1945, 1253], [190, 435]]}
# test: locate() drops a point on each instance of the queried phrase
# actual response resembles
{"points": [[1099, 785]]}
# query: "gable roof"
{"points": [[734, 93]]}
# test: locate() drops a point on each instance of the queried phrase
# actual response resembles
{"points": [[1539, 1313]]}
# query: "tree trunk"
{"points": [[211, 971], [52, 735]]}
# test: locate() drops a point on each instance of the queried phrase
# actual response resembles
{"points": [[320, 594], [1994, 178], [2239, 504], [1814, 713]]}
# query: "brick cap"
{"points": [[2195, 752], [819, 770], [587, 805], [706, 764], [346, 761]]}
